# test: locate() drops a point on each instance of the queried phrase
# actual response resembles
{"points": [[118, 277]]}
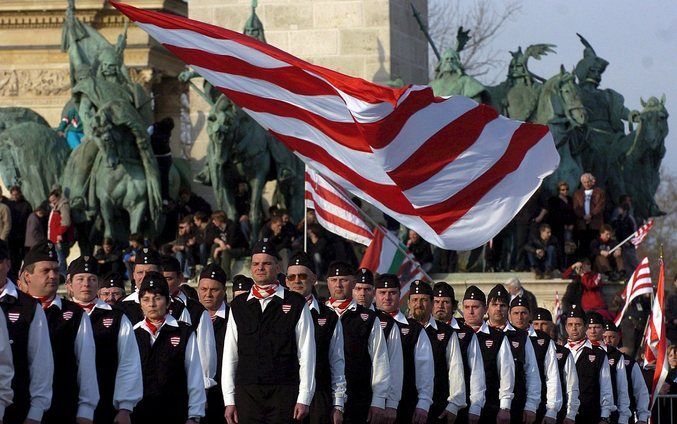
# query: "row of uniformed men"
{"points": [[280, 355]]}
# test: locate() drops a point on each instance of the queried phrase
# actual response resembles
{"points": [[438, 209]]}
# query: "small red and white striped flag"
{"points": [[641, 233], [451, 169], [638, 284], [557, 309], [334, 209], [656, 344]]}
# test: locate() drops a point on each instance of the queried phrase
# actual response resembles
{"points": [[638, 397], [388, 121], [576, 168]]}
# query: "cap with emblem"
{"points": [[147, 256], [542, 314], [576, 312], [339, 269], [154, 282], [242, 283], [387, 281], [420, 287], [610, 326], [42, 252], [500, 293], [265, 246], [170, 264], [474, 293], [443, 289], [594, 318], [364, 276], [112, 279], [214, 272], [83, 265], [302, 259], [519, 301]]}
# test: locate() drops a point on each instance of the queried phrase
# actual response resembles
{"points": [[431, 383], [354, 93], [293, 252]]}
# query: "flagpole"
{"points": [[623, 242], [305, 214]]}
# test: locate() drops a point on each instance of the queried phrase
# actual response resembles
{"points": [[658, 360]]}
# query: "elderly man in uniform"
{"points": [[75, 389], [112, 288], [592, 366], [117, 354], [32, 358], [619, 379], [147, 260], [448, 384], [444, 303], [330, 390], [546, 359], [366, 353], [637, 390], [241, 284], [499, 367], [418, 368], [269, 352]]}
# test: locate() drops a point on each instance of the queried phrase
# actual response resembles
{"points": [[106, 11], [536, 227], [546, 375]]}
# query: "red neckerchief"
{"points": [[309, 300], [597, 344], [394, 314], [340, 306], [45, 301], [575, 346], [86, 307], [152, 327], [213, 317], [264, 292], [496, 326]]}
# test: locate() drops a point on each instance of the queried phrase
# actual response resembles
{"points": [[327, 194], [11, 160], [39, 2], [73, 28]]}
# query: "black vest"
{"points": [[518, 340], [63, 328], [357, 325], [589, 366], [324, 322], [387, 322], [19, 312], [409, 334], [541, 343], [439, 339], [106, 328], [562, 354], [614, 356], [629, 365], [220, 326], [490, 344], [266, 341], [465, 334], [132, 309], [195, 310]]}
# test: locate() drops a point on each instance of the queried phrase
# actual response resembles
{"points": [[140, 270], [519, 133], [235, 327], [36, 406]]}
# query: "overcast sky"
{"points": [[638, 38]]}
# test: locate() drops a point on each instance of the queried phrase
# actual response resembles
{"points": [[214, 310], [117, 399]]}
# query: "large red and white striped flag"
{"points": [[451, 169], [334, 209], [557, 309], [638, 284], [641, 233], [656, 344]]}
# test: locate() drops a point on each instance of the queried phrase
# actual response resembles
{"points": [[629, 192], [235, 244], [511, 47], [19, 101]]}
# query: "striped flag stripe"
{"points": [[638, 284]]}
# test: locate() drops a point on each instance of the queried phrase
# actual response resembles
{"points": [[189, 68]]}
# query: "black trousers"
{"points": [[356, 412], [265, 404], [489, 413], [215, 409], [321, 408], [17, 411]]}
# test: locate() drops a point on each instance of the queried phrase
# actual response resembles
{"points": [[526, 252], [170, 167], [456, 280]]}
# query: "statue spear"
{"points": [[421, 25]]}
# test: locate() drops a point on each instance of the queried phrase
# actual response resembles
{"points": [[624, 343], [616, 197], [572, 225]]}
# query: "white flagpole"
{"points": [[305, 212], [623, 242]]}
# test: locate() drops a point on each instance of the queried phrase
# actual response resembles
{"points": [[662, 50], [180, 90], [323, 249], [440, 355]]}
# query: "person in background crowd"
{"points": [[589, 203], [36, 230], [318, 247], [160, 134], [190, 203], [173, 387], [228, 241], [420, 249], [117, 355], [33, 363], [585, 289], [624, 225], [515, 289], [136, 243], [562, 220], [241, 285], [71, 128], [60, 229], [602, 258], [111, 288], [6, 368], [212, 294], [542, 252], [183, 248], [75, 392], [20, 210], [5, 221], [145, 260], [633, 324], [204, 246], [109, 258], [280, 238]]}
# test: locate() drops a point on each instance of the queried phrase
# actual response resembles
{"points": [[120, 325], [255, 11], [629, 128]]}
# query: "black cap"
{"points": [[4, 250], [339, 269], [594, 318], [170, 264], [83, 264], [610, 326], [43, 252], [302, 259], [474, 293], [387, 281], [147, 256], [242, 283], [154, 282], [364, 276], [443, 289], [576, 312], [214, 272], [499, 292], [112, 279], [265, 246], [420, 287], [542, 314], [519, 301]]}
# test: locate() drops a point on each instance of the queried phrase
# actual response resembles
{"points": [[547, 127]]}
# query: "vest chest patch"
{"points": [[14, 316], [559, 355], [383, 325], [461, 336], [540, 342], [175, 340], [404, 331], [286, 308], [592, 358], [489, 343], [364, 316], [321, 322], [515, 344], [441, 336], [612, 361], [627, 362], [67, 315], [107, 322]]}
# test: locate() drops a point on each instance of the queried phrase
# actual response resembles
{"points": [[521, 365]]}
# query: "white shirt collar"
{"points": [[279, 292], [9, 290], [314, 304], [181, 296], [133, 297], [508, 327], [57, 302], [484, 328], [454, 324], [532, 331], [169, 320], [432, 323], [401, 318], [221, 312]]}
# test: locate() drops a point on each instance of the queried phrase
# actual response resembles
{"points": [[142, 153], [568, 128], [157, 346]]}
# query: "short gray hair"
{"points": [[514, 282]]}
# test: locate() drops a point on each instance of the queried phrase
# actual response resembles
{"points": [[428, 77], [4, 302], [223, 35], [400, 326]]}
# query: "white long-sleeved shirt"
{"points": [[606, 395], [396, 364], [128, 377], [622, 400], [506, 370], [477, 380], [337, 361], [85, 355], [640, 392], [197, 397], [571, 381], [533, 378], [6, 367], [424, 366], [40, 358], [553, 397], [380, 369], [305, 346], [456, 399]]}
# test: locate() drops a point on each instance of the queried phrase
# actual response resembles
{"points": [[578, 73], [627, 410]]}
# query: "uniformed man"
{"points": [[542, 321], [366, 353], [546, 359], [330, 389], [147, 260], [363, 293], [173, 386], [269, 351], [637, 390], [241, 285], [117, 354], [448, 383], [112, 288], [592, 367], [499, 367], [619, 380], [6, 368], [32, 358], [75, 391], [418, 368], [211, 290], [444, 303]]}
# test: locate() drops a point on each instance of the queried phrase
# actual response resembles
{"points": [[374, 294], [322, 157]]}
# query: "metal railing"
{"points": [[666, 409]]}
